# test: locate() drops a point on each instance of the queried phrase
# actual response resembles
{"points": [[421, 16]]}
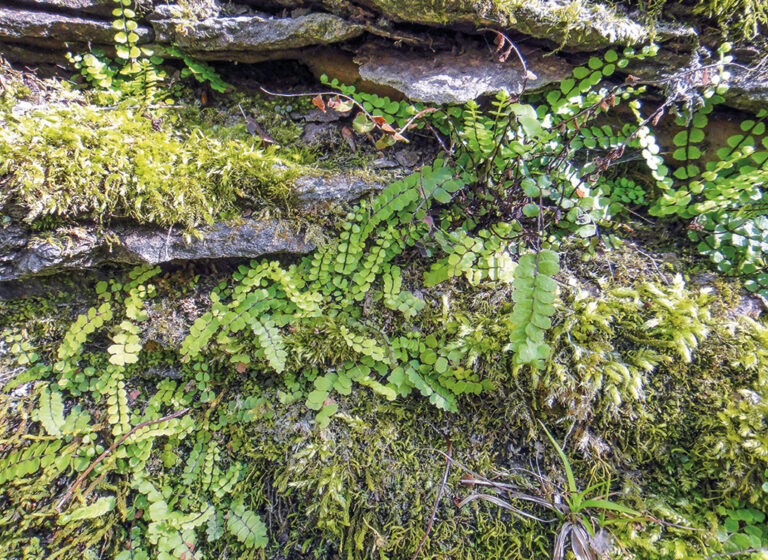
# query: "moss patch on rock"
{"points": [[652, 389]]}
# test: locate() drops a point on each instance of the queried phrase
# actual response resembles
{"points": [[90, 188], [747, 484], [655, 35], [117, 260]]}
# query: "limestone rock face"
{"points": [[39, 27], [313, 191], [78, 248], [255, 32], [74, 248], [85, 247], [577, 26], [458, 78], [87, 6]]}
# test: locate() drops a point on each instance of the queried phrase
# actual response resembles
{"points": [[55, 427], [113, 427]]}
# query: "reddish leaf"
{"points": [[386, 127], [318, 102], [328, 400], [581, 193], [241, 367], [379, 120], [429, 221]]}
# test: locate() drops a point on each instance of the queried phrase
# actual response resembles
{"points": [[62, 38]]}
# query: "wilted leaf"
{"points": [[318, 102], [340, 106]]}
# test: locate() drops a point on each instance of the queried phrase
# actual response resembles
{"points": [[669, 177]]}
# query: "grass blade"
{"points": [[568, 471]]}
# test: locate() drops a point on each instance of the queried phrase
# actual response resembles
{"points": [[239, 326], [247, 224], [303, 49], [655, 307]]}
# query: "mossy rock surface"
{"points": [[576, 25]]}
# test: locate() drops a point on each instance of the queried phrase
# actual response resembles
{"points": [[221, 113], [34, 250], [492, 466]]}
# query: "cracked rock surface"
{"points": [[73, 248]]}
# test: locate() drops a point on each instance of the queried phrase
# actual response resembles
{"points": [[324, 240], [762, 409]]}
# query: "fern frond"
{"points": [[83, 326], [534, 294], [50, 411], [246, 526]]}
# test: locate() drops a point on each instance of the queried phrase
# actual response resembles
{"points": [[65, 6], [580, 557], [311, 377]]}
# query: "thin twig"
{"points": [[110, 449], [321, 93], [396, 133], [517, 52], [437, 498], [439, 139]]}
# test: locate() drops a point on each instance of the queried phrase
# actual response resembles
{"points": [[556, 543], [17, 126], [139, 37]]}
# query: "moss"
{"points": [[190, 166], [366, 484], [84, 162], [580, 24], [736, 19]]}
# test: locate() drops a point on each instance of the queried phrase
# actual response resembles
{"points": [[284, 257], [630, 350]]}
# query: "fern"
{"points": [[193, 465], [225, 483], [246, 526], [270, 341], [534, 295], [51, 411], [46, 455], [724, 197], [419, 376], [175, 427], [118, 411], [99, 508], [84, 325], [210, 470], [397, 299]]}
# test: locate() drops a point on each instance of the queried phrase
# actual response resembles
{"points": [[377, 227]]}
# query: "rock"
{"points": [[457, 78], [575, 25], [340, 64], [584, 26], [246, 238], [747, 82], [315, 132], [318, 116], [101, 7], [255, 32], [748, 89], [31, 56], [752, 306], [76, 248], [384, 163], [42, 28], [86, 247], [341, 188], [407, 158]]}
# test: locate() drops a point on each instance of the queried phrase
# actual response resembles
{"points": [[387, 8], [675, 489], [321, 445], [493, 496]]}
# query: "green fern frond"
{"points": [[534, 295]]}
